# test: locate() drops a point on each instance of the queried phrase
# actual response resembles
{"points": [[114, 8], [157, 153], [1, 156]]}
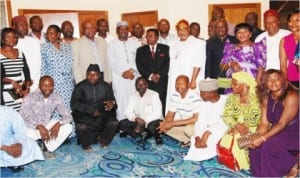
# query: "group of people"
{"points": [[97, 85]]}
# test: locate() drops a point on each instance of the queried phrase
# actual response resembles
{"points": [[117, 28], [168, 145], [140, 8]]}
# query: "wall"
{"points": [[174, 10]]}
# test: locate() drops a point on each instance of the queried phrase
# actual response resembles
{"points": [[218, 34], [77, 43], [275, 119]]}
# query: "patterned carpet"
{"points": [[124, 158]]}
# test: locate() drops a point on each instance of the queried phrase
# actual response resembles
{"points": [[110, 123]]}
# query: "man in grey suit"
{"points": [[89, 50]]}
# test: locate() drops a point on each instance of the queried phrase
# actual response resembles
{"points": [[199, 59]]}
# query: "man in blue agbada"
{"points": [[16, 149]]}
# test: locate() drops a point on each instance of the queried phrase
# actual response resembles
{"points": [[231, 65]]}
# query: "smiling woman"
{"points": [[13, 66], [241, 115], [279, 125]]}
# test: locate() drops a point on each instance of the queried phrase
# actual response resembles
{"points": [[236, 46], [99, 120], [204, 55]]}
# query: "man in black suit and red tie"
{"points": [[153, 62]]}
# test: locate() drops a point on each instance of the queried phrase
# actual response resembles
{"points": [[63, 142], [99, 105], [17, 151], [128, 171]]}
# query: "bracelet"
{"points": [[263, 138]]}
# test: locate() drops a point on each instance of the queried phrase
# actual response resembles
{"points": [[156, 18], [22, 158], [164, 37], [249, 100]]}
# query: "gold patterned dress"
{"points": [[235, 112]]}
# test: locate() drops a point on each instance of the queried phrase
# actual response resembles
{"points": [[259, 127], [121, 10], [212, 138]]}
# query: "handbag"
{"points": [[223, 81], [244, 141], [14, 94], [225, 156]]}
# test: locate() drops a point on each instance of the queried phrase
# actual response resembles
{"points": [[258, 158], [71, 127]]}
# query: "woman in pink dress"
{"points": [[287, 49]]}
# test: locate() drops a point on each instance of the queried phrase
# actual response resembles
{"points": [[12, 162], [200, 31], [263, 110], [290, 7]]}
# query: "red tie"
{"points": [[152, 52]]}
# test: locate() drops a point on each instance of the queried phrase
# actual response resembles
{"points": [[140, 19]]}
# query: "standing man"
{"points": [[36, 26], [30, 48], [210, 126], [251, 18], [214, 50], [182, 113], [37, 109], [187, 57], [138, 33], [165, 37], [273, 36], [121, 55], [195, 30], [218, 14], [94, 110], [90, 50], [153, 61], [67, 31], [143, 113], [103, 30]]}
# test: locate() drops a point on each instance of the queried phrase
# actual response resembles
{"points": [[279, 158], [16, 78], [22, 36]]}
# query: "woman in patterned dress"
{"points": [[14, 70], [246, 55], [241, 114], [57, 61]]}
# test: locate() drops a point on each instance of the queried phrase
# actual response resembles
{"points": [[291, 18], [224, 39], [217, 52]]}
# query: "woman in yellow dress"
{"points": [[241, 114]]}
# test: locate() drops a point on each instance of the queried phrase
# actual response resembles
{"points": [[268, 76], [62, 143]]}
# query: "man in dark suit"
{"points": [[153, 62], [214, 50]]}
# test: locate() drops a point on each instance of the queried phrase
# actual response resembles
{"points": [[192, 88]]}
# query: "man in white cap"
{"points": [[209, 127], [121, 57]]}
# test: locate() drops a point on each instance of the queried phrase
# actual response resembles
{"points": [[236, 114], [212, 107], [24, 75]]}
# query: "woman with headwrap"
{"points": [[276, 152], [241, 114]]}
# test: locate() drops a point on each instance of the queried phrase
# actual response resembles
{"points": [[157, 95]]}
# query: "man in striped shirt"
{"points": [[183, 112]]}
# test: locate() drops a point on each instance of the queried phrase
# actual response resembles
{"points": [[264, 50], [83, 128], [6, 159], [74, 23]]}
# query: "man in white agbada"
{"points": [[209, 127], [187, 57], [121, 56], [31, 49], [165, 37]]}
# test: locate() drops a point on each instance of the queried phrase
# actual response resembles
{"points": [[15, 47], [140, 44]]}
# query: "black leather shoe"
{"points": [[16, 168], [144, 136], [158, 140], [123, 134], [67, 141]]}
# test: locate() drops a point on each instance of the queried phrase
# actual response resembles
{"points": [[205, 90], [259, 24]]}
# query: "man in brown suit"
{"points": [[90, 50]]}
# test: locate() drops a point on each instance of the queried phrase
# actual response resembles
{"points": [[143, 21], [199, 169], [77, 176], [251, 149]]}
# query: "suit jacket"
{"points": [[146, 66], [214, 55], [83, 57]]}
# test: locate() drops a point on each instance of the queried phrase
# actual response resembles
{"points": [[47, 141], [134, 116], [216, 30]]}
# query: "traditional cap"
{"points": [[182, 24], [246, 78], [208, 85], [271, 12], [18, 18], [93, 67], [122, 23]]}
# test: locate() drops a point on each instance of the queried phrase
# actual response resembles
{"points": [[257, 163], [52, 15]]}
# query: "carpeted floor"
{"points": [[124, 158]]}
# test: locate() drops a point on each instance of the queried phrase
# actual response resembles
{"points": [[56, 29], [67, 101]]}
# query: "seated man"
{"points": [[37, 109], [16, 149], [143, 113], [94, 110], [183, 112], [209, 127]]}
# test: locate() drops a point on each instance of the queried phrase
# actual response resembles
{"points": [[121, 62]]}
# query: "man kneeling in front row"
{"points": [[37, 110], [143, 113], [183, 112], [94, 110]]}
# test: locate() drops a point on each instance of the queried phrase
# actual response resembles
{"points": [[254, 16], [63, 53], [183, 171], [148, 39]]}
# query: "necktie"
{"points": [[152, 52]]}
